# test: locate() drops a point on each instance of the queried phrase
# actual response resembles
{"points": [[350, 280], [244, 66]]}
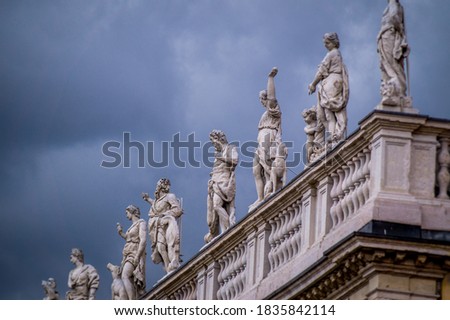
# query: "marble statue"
{"points": [[118, 291], [221, 186], [132, 268], [83, 279], [269, 139], [164, 219], [393, 51], [315, 135], [333, 93], [50, 289]]}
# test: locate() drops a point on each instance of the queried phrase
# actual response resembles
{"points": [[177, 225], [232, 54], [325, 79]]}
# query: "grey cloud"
{"points": [[75, 74]]}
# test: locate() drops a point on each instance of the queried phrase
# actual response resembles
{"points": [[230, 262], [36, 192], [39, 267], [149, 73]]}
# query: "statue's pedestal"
{"points": [[397, 104]]}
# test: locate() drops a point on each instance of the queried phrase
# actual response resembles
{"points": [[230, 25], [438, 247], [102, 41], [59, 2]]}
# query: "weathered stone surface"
{"points": [[365, 222], [393, 51], [164, 231], [269, 163], [221, 210], [50, 289], [333, 96], [83, 279], [132, 268]]}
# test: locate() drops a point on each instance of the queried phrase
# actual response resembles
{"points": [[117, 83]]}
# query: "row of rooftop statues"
{"points": [[326, 126], [326, 122]]}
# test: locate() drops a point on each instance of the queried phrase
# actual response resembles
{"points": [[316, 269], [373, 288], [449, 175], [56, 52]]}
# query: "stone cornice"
{"points": [[345, 265], [418, 124]]}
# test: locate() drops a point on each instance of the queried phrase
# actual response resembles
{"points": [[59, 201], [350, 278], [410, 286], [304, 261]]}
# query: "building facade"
{"points": [[368, 220]]}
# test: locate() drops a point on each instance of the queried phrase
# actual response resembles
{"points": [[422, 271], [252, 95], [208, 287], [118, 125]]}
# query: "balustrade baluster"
{"points": [[443, 176], [366, 171], [344, 205], [355, 179], [290, 233], [340, 192], [350, 187], [283, 235], [334, 198], [298, 225], [271, 254], [361, 178], [277, 243]]}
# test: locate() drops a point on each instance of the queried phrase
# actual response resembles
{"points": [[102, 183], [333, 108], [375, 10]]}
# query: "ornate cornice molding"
{"points": [[349, 264]]}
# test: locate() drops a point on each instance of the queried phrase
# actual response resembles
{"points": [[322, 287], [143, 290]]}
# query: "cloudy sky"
{"points": [[75, 75]]}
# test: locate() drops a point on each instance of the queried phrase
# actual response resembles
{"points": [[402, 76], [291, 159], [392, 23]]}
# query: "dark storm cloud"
{"points": [[76, 74], [71, 72]]}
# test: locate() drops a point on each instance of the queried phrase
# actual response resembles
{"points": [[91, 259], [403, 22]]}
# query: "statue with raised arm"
{"points": [[83, 279], [221, 186], [132, 268], [333, 93], [269, 138], [164, 216], [393, 51], [50, 289]]}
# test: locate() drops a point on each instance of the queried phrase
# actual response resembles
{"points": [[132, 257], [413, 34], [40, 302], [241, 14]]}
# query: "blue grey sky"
{"points": [[77, 74]]}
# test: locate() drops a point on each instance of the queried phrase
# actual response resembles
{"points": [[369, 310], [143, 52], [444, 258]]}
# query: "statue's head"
{"points": [[52, 282], [78, 254], [218, 135], [115, 270], [162, 185], [49, 284], [133, 210], [310, 115], [333, 38]]}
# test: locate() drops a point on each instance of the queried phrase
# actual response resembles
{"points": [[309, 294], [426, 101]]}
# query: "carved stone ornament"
{"points": [[118, 291], [164, 226], [221, 187], [315, 135], [83, 279], [269, 162], [393, 51], [332, 96], [132, 268], [50, 289]]}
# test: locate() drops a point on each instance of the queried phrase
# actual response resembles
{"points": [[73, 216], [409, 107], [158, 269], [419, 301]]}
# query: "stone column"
{"points": [[390, 176], [257, 252], [309, 218], [323, 218], [391, 162], [212, 285], [201, 284], [423, 166]]}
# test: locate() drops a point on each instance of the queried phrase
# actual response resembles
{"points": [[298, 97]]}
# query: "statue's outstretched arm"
{"points": [[147, 198], [271, 84]]}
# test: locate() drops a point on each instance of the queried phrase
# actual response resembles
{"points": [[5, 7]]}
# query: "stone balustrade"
{"points": [[187, 292], [232, 275], [350, 189], [285, 236], [393, 169]]}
